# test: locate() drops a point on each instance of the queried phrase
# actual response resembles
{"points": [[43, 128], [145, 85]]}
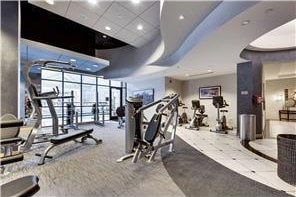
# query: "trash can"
{"points": [[247, 127], [286, 170]]}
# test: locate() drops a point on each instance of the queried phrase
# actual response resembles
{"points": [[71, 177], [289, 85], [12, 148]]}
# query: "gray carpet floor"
{"points": [[198, 175], [91, 170]]}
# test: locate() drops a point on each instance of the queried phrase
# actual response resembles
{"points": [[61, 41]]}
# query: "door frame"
{"points": [[114, 88]]}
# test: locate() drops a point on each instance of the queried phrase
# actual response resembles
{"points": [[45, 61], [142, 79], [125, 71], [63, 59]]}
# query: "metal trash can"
{"points": [[247, 127]]}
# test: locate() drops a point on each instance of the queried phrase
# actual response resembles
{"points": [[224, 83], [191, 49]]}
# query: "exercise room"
{"points": [[148, 98]]}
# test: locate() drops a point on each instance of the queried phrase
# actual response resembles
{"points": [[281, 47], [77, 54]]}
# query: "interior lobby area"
{"points": [[149, 98]]}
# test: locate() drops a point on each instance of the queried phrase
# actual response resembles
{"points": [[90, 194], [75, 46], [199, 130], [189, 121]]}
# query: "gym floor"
{"points": [[91, 170]]}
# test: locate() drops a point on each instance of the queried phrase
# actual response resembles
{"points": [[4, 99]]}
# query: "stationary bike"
{"points": [[183, 117], [201, 116], [194, 121], [221, 126]]}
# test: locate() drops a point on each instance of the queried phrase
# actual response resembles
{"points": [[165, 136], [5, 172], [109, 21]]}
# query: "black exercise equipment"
{"points": [[194, 121], [221, 126], [183, 119], [141, 142], [120, 112], [201, 116], [61, 139]]}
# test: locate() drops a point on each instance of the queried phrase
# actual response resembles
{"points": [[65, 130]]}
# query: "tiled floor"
{"points": [[227, 150], [265, 146]]}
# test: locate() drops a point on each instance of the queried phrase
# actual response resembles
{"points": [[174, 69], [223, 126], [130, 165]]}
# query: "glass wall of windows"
{"points": [[87, 91]]}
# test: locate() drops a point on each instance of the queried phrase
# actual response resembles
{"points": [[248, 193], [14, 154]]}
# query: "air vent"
{"points": [[200, 74]]}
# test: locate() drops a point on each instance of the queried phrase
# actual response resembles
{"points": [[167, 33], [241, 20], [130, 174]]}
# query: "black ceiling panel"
{"points": [[40, 25]]}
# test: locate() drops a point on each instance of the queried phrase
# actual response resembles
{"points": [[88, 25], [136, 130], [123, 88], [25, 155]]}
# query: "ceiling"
{"points": [[32, 51], [116, 18], [279, 70], [282, 37]]}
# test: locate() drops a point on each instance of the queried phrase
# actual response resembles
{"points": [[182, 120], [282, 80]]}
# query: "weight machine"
{"points": [[35, 100], [140, 142]]}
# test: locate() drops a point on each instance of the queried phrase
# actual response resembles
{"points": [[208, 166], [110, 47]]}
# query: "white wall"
{"points": [[274, 96], [158, 84], [229, 88], [173, 86]]}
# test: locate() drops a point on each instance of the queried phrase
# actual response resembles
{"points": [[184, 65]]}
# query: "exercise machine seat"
{"points": [[22, 187], [70, 136], [153, 128], [9, 125], [11, 159]]}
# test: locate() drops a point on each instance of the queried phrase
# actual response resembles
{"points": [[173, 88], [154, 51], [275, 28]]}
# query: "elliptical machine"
{"points": [[194, 121], [221, 126]]}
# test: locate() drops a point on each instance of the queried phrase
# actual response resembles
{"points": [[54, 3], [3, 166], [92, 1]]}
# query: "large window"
{"points": [[87, 91]]}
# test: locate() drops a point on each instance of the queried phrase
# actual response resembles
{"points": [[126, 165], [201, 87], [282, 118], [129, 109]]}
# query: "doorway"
{"points": [[115, 101]]}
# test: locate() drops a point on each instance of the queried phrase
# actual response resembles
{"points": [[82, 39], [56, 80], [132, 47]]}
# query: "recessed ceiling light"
{"points": [[73, 60], [209, 70], [267, 11], [88, 69], [108, 28], [139, 27], [96, 66], [245, 22], [181, 17], [83, 17], [135, 1], [93, 2], [104, 36], [50, 2], [186, 74]]}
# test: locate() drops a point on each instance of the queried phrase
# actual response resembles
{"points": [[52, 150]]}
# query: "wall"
{"points": [[9, 57], [249, 83], [158, 84], [274, 96], [228, 86], [173, 86]]}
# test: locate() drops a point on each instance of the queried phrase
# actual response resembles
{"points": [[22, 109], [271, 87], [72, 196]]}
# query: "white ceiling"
{"points": [[122, 16], [283, 37], [220, 50], [279, 70]]}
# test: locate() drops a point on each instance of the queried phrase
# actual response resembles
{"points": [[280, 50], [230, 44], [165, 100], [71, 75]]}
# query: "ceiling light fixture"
{"points": [[83, 17], [88, 69], [187, 75], [181, 17], [96, 66], [73, 60], [50, 2], [104, 36], [135, 1], [93, 2], [209, 70], [107, 28], [245, 22], [140, 27]]}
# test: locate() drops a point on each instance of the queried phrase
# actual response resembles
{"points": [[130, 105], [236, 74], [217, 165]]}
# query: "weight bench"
{"points": [[61, 139]]}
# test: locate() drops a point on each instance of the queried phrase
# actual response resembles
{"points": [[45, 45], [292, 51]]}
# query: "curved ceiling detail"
{"points": [[280, 38], [220, 51], [179, 19]]}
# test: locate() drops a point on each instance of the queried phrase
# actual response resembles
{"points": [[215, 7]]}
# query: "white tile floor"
{"points": [[227, 150], [265, 146]]}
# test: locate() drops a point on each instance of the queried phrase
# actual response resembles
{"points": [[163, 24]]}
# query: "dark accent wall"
{"points": [[9, 54], [46, 27], [249, 83]]}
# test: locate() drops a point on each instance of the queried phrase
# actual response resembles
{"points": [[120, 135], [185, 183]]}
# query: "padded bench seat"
{"points": [[61, 139], [22, 187], [70, 136]]}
